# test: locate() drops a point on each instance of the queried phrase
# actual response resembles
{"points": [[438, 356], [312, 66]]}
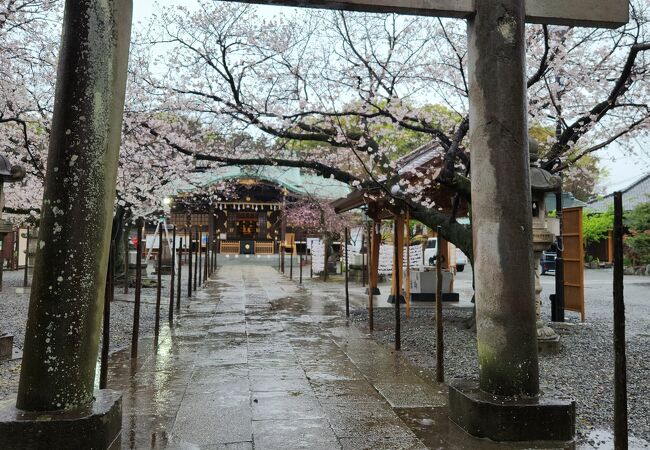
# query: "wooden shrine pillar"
{"points": [[444, 249], [396, 291], [375, 242]]}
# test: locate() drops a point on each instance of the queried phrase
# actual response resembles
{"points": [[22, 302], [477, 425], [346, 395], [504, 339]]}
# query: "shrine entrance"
{"points": [[61, 345], [249, 219]]}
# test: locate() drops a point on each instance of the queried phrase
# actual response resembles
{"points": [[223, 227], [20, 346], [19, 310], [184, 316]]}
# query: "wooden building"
{"points": [[242, 208]]}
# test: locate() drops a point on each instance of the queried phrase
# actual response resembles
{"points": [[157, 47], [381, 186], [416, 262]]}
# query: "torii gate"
{"points": [[61, 342]]}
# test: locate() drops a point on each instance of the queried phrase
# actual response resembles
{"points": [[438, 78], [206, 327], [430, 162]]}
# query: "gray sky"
{"points": [[623, 167]]}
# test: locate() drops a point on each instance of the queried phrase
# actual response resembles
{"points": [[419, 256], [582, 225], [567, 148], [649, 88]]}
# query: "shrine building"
{"points": [[241, 208]]}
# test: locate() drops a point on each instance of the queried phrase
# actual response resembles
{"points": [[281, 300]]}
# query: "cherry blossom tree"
{"points": [[317, 216], [339, 84], [28, 52], [29, 40]]}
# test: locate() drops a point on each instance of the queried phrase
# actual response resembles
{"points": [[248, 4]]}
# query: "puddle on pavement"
{"points": [[604, 439], [436, 431], [305, 305]]}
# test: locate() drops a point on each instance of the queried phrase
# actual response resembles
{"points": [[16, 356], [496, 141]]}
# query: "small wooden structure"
{"points": [[380, 206], [573, 256]]}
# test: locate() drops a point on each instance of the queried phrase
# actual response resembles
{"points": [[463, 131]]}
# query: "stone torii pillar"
{"points": [[507, 394], [57, 404], [501, 200]]}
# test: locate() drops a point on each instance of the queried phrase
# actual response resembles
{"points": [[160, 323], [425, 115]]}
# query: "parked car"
{"points": [[430, 252], [548, 261]]}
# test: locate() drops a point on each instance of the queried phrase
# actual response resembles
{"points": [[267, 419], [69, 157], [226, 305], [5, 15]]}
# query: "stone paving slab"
{"points": [[204, 419], [312, 434], [279, 383], [345, 391], [282, 405], [253, 361]]}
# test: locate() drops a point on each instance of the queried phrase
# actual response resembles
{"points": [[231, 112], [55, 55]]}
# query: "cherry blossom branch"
{"points": [[580, 126]]}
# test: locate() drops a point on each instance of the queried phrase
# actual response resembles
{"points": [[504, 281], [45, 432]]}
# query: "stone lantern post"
{"points": [[8, 174], [541, 181]]}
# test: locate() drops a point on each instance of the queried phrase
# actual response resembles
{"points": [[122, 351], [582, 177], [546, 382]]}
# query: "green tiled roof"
{"points": [[293, 179], [568, 201]]}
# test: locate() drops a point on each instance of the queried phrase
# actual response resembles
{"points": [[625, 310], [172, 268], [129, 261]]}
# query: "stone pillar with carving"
{"points": [[542, 181]]}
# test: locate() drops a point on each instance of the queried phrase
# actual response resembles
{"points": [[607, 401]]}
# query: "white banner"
{"points": [[386, 252], [317, 256]]}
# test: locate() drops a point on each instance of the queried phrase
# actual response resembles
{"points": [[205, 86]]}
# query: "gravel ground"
{"points": [[13, 317], [582, 370]]}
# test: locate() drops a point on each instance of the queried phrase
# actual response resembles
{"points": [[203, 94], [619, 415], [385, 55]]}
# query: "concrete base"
{"points": [[510, 419], [96, 427], [375, 291], [391, 299], [446, 297], [6, 346], [548, 346]]}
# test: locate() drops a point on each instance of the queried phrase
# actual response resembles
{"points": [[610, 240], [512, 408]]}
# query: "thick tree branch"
{"points": [[322, 169]]}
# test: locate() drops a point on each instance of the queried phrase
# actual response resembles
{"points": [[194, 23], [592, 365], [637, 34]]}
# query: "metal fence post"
{"points": [[106, 328], [25, 281], [301, 258], [180, 271], [440, 350], [189, 260], [138, 289], [197, 252], [172, 276], [620, 370], [398, 293], [126, 260], [156, 331], [347, 276]]}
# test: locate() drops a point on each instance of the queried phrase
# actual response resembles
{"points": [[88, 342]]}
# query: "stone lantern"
{"points": [[541, 182], [8, 174]]}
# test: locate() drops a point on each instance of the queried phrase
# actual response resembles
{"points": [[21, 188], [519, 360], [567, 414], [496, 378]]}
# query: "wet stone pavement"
{"points": [[254, 361]]}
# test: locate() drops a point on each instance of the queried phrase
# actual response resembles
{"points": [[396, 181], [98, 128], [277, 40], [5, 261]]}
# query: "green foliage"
{"points": [[639, 218], [638, 243], [639, 248], [595, 227], [403, 141]]}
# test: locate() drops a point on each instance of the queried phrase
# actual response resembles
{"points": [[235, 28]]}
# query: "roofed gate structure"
{"points": [[248, 216]]}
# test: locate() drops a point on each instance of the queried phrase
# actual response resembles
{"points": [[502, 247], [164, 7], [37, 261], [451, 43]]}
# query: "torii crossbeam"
{"points": [[584, 13]]}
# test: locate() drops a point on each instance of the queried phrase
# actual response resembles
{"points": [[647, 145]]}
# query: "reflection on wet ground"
{"points": [[254, 361]]}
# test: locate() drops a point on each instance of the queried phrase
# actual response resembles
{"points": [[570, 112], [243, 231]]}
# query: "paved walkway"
{"points": [[254, 361]]}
